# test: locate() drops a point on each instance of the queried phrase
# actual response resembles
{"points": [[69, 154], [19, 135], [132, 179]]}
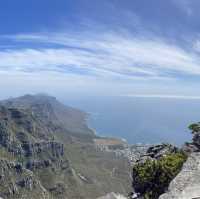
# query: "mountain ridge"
{"points": [[60, 157]]}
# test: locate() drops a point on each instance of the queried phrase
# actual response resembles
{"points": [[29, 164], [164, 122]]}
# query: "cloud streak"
{"points": [[109, 55]]}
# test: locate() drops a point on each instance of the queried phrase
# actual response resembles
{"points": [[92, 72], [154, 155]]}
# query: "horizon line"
{"points": [[163, 96]]}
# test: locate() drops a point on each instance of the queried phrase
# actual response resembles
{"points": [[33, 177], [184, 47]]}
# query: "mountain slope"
{"points": [[54, 149], [48, 109]]}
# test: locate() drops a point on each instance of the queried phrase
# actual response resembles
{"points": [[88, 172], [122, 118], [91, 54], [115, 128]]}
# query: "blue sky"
{"points": [[108, 47]]}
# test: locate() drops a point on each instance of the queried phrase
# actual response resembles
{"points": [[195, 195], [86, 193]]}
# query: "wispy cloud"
{"points": [[189, 7], [185, 5], [112, 54]]}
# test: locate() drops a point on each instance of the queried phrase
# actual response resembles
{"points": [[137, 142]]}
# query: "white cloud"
{"points": [[99, 60], [106, 55]]}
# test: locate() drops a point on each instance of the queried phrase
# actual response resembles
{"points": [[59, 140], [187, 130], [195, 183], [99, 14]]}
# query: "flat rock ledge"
{"points": [[187, 183]]}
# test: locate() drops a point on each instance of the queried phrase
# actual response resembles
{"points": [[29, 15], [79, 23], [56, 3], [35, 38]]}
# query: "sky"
{"points": [[100, 47]]}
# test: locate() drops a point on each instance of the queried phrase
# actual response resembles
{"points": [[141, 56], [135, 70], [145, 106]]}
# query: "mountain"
{"points": [[48, 151], [48, 109]]}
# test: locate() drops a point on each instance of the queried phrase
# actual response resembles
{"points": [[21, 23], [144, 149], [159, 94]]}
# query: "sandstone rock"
{"points": [[187, 184], [17, 182], [155, 152], [160, 150]]}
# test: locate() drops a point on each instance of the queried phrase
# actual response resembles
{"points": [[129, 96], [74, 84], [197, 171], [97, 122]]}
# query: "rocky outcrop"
{"points": [[155, 169], [155, 152], [38, 164], [187, 184], [54, 148], [5, 135], [18, 182], [50, 153], [30, 142], [158, 151], [193, 146]]}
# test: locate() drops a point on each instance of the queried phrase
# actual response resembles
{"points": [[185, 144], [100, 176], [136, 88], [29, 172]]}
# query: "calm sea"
{"points": [[140, 120]]}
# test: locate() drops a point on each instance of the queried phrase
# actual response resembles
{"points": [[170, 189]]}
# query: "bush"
{"points": [[195, 127], [151, 178]]}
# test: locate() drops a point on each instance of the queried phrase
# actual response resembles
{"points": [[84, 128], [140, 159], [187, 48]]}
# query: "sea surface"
{"points": [[140, 120]]}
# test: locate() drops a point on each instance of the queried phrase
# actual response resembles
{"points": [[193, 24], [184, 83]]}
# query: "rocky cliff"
{"points": [[187, 183], [47, 151], [166, 172]]}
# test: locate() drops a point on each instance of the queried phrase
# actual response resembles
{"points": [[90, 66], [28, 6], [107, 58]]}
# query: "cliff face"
{"points": [[18, 182], [153, 172], [187, 184], [47, 151]]}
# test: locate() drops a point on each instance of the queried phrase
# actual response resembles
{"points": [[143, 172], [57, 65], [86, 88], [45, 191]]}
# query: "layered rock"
{"points": [[53, 150], [18, 182]]}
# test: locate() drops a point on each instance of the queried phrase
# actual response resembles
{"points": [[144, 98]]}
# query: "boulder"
{"points": [[187, 183]]}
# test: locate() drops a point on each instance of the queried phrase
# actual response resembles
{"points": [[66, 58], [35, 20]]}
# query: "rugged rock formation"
{"points": [[32, 149], [187, 184], [156, 152], [47, 151], [18, 182], [153, 172]]}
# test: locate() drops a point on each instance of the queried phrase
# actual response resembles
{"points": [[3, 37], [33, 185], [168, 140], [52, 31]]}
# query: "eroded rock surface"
{"points": [[18, 182], [47, 151], [187, 184]]}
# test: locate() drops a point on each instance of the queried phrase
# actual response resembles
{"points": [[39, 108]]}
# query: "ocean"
{"points": [[140, 120]]}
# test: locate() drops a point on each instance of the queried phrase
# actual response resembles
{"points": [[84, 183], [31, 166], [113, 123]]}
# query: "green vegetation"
{"points": [[195, 127], [53, 141], [152, 177]]}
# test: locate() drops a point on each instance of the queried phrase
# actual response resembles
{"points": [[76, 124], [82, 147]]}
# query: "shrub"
{"points": [[195, 127], [152, 177]]}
